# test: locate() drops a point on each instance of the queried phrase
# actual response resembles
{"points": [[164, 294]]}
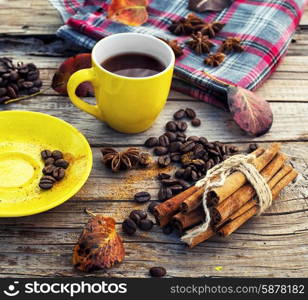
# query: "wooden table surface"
{"points": [[273, 245]]}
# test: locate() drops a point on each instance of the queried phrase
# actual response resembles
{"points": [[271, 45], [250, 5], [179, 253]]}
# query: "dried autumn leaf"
{"points": [[128, 12], [99, 245], [252, 113], [67, 68], [208, 5]]}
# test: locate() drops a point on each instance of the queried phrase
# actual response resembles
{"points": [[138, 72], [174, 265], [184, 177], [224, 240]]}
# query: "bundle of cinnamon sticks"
{"points": [[231, 204]]}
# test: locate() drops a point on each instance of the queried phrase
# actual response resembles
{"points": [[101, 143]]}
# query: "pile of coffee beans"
{"points": [[18, 80], [137, 219], [193, 155], [54, 170]]}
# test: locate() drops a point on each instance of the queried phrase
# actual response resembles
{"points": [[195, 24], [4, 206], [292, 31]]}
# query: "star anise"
{"points": [[231, 44], [200, 43], [194, 19], [125, 160], [215, 60], [209, 29], [176, 47], [181, 27]]}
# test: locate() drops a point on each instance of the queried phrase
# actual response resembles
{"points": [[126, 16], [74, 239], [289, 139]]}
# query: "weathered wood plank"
{"points": [[41, 245], [290, 121]]}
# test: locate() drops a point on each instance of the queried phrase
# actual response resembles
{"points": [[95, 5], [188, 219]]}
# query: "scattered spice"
{"points": [[231, 44], [200, 43], [125, 160], [181, 27], [214, 60], [209, 29], [175, 46]]}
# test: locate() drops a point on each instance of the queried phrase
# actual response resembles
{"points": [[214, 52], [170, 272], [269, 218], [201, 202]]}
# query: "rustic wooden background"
{"points": [[273, 245]]}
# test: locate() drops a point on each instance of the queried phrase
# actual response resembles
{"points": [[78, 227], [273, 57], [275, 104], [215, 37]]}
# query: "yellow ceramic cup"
{"points": [[127, 104]]}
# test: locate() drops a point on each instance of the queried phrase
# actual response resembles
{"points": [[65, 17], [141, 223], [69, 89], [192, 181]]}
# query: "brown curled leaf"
{"points": [[99, 245]]}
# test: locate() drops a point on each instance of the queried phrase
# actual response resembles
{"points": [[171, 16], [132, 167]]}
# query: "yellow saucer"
{"points": [[23, 135]]}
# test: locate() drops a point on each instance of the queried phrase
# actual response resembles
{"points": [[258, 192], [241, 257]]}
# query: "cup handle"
{"points": [[74, 81]]}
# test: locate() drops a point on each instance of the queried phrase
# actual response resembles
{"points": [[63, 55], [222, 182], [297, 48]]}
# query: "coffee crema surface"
{"points": [[133, 65]]}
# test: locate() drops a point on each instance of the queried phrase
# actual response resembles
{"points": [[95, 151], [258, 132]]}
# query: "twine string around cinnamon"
{"points": [[216, 178]]}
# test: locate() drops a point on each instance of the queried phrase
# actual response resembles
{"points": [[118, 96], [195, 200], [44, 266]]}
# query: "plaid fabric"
{"points": [[265, 26]]}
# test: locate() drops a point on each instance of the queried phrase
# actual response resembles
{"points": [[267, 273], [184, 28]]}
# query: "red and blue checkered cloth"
{"points": [[265, 26]]}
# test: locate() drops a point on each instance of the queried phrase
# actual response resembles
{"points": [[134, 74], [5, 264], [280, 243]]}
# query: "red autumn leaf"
{"points": [[99, 245], [128, 12], [208, 5], [67, 68], [251, 112]]}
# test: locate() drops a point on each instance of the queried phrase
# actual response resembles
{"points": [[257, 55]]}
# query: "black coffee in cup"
{"points": [[133, 65]]}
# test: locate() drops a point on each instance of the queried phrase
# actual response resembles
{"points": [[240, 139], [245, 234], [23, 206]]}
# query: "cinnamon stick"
{"points": [[281, 179], [183, 221], [238, 179], [201, 237], [240, 220], [230, 205], [252, 202], [192, 202], [164, 211]]}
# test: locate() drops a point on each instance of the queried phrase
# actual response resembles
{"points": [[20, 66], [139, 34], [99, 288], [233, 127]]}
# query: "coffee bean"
{"points": [[174, 147], [196, 122], [214, 152], [145, 224], [203, 141], [180, 114], [48, 178], [167, 229], [13, 75], [151, 142], [164, 193], [152, 206], [194, 175], [46, 154], [164, 161], [58, 173], [193, 138], [49, 161], [169, 182], [187, 173], [15, 87], [38, 83], [129, 226], [188, 146], [182, 126], [184, 184], [158, 272], [61, 163], [171, 136], [175, 157], [56, 154], [137, 215], [27, 84], [252, 147], [142, 197], [33, 75], [190, 113], [48, 170], [171, 126], [179, 173], [161, 176], [199, 163], [159, 150], [11, 92], [45, 185], [2, 91], [176, 189], [233, 149], [164, 140], [33, 90], [181, 137]]}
